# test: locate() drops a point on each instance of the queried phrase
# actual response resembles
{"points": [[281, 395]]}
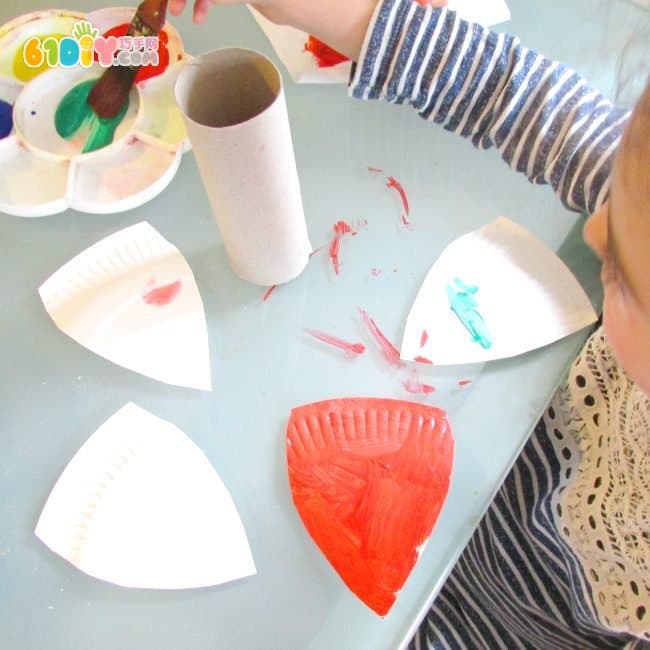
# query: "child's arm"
{"points": [[543, 118]]}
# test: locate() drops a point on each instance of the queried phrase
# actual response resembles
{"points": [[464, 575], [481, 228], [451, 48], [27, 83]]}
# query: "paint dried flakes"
{"points": [[369, 478], [351, 349], [387, 349], [342, 228], [413, 384], [268, 292]]}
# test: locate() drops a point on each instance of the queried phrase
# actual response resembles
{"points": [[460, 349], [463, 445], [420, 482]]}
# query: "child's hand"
{"points": [[342, 24]]}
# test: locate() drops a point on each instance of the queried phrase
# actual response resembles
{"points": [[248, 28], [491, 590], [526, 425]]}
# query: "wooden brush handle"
{"points": [[149, 18]]}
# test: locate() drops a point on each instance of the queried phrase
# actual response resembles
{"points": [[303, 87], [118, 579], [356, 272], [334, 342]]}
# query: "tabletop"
{"points": [[55, 393]]}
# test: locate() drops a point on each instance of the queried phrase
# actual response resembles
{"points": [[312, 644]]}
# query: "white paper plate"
{"points": [[140, 505], [526, 296], [146, 150], [132, 299]]}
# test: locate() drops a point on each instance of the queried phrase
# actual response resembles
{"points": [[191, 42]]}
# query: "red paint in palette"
{"points": [[352, 349], [421, 359], [369, 478], [387, 349], [163, 295], [145, 71], [424, 338]]}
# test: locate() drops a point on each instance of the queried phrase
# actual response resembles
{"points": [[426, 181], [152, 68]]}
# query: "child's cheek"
{"points": [[628, 336]]}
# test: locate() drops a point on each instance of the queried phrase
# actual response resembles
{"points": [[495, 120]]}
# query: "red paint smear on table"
{"points": [[352, 349], [464, 382], [340, 228], [424, 338], [395, 184], [314, 252], [326, 56], [421, 359], [388, 350], [163, 295], [375, 170], [268, 293], [413, 384], [145, 71], [369, 478]]}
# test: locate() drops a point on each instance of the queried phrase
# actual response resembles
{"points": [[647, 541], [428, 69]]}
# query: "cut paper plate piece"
{"points": [[369, 478], [140, 505], [494, 293], [132, 299]]}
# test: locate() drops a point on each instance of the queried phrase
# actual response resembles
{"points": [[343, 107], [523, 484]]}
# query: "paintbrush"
{"points": [[111, 92]]}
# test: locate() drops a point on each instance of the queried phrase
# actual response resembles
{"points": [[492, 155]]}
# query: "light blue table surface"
{"points": [[55, 393]]}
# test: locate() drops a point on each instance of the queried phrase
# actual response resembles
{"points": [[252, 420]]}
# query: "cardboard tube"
{"points": [[233, 104]]}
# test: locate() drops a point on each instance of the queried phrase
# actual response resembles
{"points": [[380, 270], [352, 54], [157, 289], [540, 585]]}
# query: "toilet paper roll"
{"points": [[234, 108]]}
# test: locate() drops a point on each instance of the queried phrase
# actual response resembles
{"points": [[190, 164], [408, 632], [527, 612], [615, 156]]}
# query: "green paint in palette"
{"points": [[74, 113]]}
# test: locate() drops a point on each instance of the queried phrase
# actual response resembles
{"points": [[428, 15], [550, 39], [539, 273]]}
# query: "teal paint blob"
{"points": [[462, 300], [74, 113], [6, 119]]}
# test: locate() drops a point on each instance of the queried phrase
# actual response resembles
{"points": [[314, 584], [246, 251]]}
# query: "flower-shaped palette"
{"points": [[45, 172]]}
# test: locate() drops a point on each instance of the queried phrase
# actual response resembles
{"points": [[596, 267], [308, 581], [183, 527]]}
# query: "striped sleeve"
{"points": [[542, 117]]}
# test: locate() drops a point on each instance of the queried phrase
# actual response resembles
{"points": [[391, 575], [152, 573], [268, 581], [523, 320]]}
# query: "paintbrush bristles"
{"points": [[112, 90]]}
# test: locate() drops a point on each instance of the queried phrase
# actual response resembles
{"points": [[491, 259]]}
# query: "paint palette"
{"points": [[46, 169]]}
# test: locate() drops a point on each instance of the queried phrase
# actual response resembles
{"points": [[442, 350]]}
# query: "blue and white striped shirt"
{"points": [[518, 584], [544, 119]]}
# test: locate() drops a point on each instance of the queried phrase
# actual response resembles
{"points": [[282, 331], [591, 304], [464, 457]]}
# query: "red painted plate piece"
{"points": [[369, 477]]}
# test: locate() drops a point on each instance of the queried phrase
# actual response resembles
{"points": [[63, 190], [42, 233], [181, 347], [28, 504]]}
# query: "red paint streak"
{"points": [[388, 350], [340, 228], [353, 349], [424, 338], [375, 272], [368, 487], [163, 295], [464, 382], [375, 170], [421, 359], [145, 71], [413, 384], [395, 184], [326, 56], [314, 252], [268, 293]]}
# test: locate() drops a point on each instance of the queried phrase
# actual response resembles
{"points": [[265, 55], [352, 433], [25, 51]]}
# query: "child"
{"points": [[562, 557]]}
